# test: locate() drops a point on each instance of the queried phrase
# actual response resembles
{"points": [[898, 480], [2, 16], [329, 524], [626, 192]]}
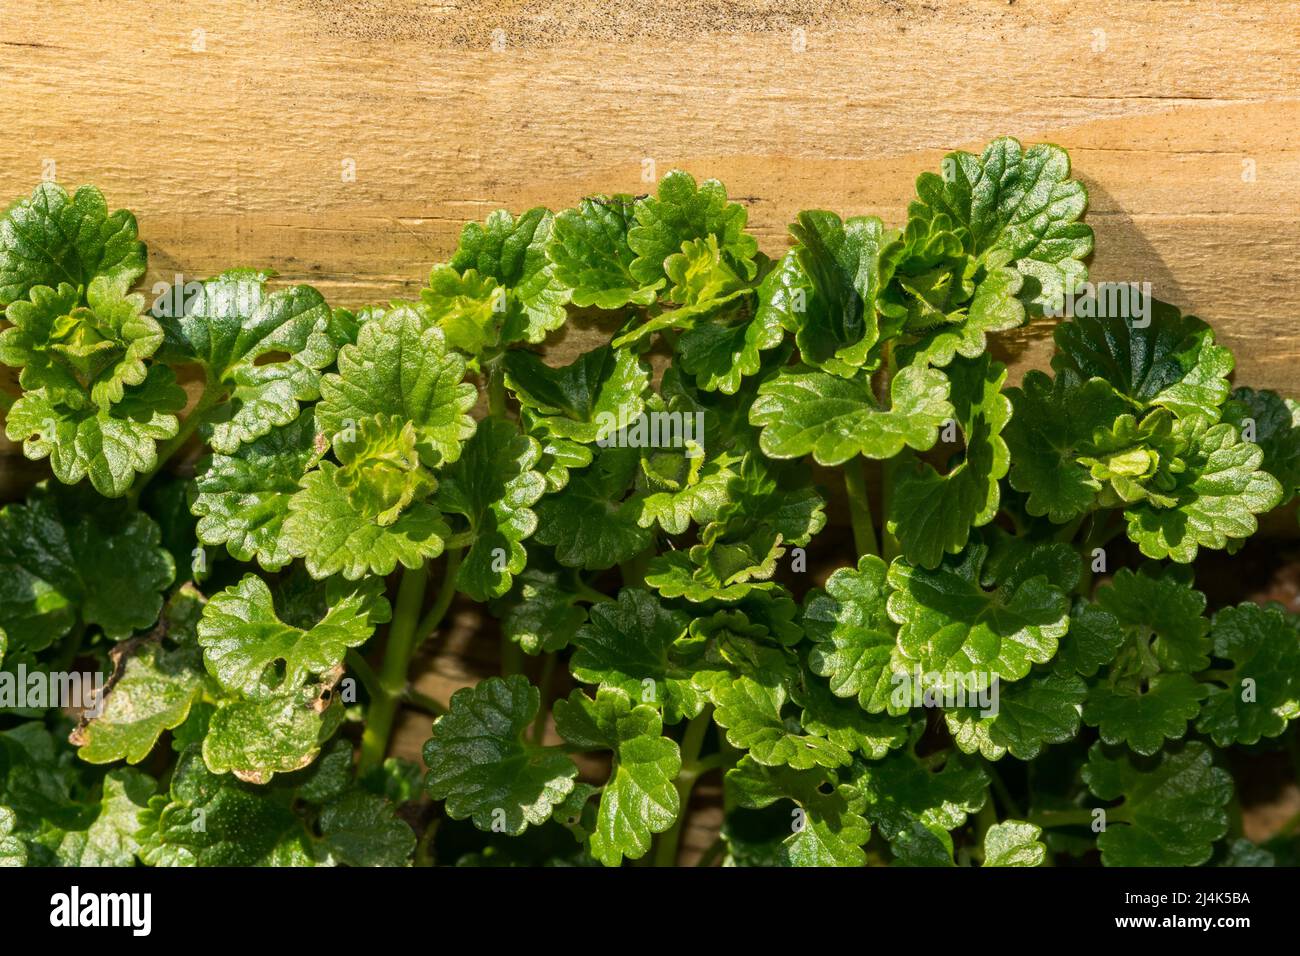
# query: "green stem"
{"points": [[424, 702], [1010, 807], [544, 686], [587, 593], [446, 594], [365, 673], [884, 396], [1079, 816], [692, 742], [496, 391], [209, 398], [855, 485], [392, 673], [512, 657]]}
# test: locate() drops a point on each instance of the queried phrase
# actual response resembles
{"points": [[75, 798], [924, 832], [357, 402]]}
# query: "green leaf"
{"points": [[1261, 692], [401, 367], [256, 739], [1094, 638], [687, 487], [1276, 429], [1053, 420], [1014, 843], [113, 838], [469, 309], [914, 807], [595, 396], [845, 724], [154, 684], [1013, 204], [827, 827], [682, 212], [1170, 362], [956, 621], [591, 255], [933, 514], [480, 765], [1215, 496], [361, 829], [752, 714], [513, 251], [539, 614], [853, 637], [995, 306], [493, 485], [626, 645], [803, 411], [1162, 610], [53, 238], [1145, 718], [251, 651], [67, 555], [1173, 809], [81, 354], [846, 264], [355, 520], [265, 352], [1026, 715], [639, 799], [242, 499], [591, 524], [13, 852], [214, 819], [107, 445], [721, 352]]}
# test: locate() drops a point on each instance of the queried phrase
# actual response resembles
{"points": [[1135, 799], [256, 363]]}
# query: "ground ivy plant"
{"points": [[262, 508]]}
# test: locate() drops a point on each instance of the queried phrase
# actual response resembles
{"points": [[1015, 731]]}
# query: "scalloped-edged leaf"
{"points": [[211, 819], [681, 212], [1052, 421], [933, 514], [481, 766], [107, 445], [256, 739], [590, 399], [721, 352], [1145, 718], [469, 309], [1026, 715], [251, 651], [264, 351], [1215, 497], [845, 724], [52, 238], [1261, 692], [242, 499], [1014, 843], [827, 827], [592, 258], [626, 644], [853, 637], [804, 411], [954, 621], [362, 829], [1163, 609], [539, 613], [154, 684], [591, 523], [639, 799], [493, 485], [1013, 204], [751, 713], [401, 366], [1274, 425], [914, 807], [67, 556], [513, 251], [80, 352], [1175, 806], [1171, 361]]}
